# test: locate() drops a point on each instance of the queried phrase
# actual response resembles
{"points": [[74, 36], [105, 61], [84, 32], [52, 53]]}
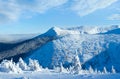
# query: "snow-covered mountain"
{"points": [[95, 46], [94, 29]]}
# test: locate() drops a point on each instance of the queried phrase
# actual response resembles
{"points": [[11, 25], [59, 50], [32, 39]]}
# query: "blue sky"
{"points": [[37, 16]]}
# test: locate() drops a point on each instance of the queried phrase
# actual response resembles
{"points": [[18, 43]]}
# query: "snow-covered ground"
{"points": [[52, 75], [20, 70]]}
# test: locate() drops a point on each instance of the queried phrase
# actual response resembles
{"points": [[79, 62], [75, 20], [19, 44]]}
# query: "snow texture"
{"points": [[73, 53], [98, 47], [13, 71]]}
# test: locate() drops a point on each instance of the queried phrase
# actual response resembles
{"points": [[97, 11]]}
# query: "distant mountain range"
{"points": [[96, 46]]}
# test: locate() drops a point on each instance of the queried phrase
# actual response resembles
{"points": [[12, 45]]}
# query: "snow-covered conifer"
{"points": [[70, 69], [34, 65], [91, 70], [62, 69], [95, 71], [113, 69], [76, 65], [10, 66], [99, 72], [22, 64], [105, 70]]}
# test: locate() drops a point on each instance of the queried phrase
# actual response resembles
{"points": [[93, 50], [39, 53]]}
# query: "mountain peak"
{"points": [[54, 31]]}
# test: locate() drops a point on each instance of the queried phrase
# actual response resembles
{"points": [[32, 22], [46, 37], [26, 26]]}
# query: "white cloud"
{"points": [[8, 10], [13, 9], [114, 17], [85, 7], [41, 5]]}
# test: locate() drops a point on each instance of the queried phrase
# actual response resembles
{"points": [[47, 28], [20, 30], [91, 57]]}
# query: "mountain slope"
{"points": [[115, 31], [23, 48], [95, 46], [86, 46]]}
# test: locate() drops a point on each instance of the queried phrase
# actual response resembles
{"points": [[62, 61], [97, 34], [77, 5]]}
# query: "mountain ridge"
{"points": [[59, 45], [87, 46]]}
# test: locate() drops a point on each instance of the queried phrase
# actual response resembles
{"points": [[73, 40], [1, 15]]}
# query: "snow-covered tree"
{"points": [[34, 65], [56, 69], [105, 70], [113, 70], [22, 64], [91, 70], [62, 69], [76, 65], [10, 66], [99, 72], [70, 69], [95, 71]]}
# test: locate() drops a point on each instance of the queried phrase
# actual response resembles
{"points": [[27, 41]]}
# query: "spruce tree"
{"points": [[22, 64], [76, 65], [34, 65], [113, 70]]}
